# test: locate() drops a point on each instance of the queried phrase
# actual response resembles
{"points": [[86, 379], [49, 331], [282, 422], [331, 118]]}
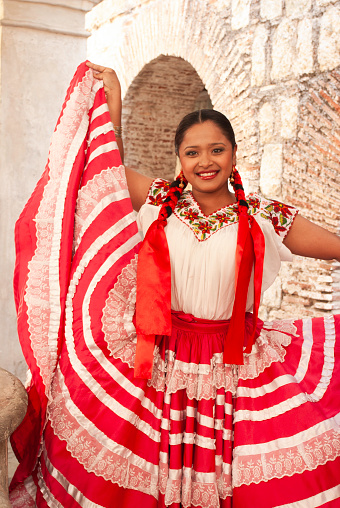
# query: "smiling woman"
{"points": [[154, 383]]}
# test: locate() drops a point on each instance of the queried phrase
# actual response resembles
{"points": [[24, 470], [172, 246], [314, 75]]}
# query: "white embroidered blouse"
{"points": [[202, 249]]}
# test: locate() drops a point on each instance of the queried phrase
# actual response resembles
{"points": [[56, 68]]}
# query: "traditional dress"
{"points": [[199, 432]]}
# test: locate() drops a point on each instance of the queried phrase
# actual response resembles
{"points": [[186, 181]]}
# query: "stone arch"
{"points": [[179, 29], [165, 90]]}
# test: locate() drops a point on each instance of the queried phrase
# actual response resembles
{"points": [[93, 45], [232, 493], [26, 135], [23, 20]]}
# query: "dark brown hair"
{"points": [[201, 116]]}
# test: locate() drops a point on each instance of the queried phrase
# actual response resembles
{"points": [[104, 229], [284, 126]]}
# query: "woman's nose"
{"points": [[204, 161]]}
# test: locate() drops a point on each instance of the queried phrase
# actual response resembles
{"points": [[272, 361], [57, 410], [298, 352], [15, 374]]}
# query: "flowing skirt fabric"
{"points": [[200, 433]]}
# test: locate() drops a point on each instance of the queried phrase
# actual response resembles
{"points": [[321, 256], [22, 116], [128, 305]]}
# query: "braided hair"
{"points": [[174, 193], [178, 185]]}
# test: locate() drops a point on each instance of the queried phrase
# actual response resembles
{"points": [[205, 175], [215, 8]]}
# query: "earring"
{"points": [[181, 176], [231, 177]]}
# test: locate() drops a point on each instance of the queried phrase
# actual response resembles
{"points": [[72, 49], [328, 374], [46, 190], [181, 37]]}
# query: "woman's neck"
{"points": [[209, 202]]}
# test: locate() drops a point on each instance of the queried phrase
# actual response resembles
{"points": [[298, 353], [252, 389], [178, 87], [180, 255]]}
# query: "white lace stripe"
{"points": [[78, 496], [328, 365], [259, 391], [320, 389], [272, 411], [227, 434], [209, 422], [196, 476], [99, 111], [191, 438], [288, 442], [103, 439], [191, 412], [102, 129], [305, 350], [31, 487], [314, 501], [46, 493], [220, 399], [228, 408], [97, 85], [177, 415], [107, 147], [97, 210]]}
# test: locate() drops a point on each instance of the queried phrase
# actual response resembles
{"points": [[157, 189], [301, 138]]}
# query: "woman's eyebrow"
{"points": [[210, 144]]}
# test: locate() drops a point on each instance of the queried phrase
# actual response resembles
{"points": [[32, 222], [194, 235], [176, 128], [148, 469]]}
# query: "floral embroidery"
{"points": [[156, 200], [190, 215], [280, 215], [157, 191], [203, 226]]}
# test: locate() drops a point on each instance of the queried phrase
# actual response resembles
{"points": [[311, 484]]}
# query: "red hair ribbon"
{"points": [[250, 248]]}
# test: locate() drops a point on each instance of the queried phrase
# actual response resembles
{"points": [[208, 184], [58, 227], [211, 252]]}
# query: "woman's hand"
{"points": [[113, 96], [110, 80], [138, 184]]}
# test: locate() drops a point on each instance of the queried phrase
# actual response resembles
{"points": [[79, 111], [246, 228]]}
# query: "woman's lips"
{"points": [[207, 175]]}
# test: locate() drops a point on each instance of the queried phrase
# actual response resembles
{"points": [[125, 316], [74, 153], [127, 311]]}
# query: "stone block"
{"points": [[271, 9], [289, 117], [283, 50], [271, 170], [240, 12], [13, 403], [273, 295], [297, 8], [322, 3], [329, 43], [258, 56], [304, 48], [266, 122]]}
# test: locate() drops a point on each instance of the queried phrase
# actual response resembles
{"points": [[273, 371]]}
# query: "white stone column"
{"points": [[41, 44]]}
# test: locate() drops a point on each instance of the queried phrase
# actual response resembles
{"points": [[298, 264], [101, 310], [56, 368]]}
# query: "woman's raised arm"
{"points": [[308, 239], [138, 184]]}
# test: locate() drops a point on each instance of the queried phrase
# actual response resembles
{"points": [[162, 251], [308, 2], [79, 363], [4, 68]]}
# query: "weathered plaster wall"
{"points": [[42, 42], [273, 67]]}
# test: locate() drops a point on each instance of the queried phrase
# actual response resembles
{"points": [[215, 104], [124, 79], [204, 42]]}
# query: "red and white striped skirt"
{"points": [[199, 433]]}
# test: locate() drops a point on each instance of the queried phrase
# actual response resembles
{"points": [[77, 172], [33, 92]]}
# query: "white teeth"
{"points": [[208, 174]]}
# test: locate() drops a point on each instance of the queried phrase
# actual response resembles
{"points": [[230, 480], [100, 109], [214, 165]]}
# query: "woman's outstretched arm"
{"points": [[138, 184], [307, 239]]}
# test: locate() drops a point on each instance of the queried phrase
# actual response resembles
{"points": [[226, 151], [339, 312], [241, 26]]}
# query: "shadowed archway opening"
{"points": [[165, 90]]}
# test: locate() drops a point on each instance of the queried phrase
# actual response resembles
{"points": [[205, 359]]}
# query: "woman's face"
{"points": [[207, 158]]}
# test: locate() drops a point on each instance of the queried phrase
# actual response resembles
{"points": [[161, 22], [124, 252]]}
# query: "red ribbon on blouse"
{"points": [[153, 303]]}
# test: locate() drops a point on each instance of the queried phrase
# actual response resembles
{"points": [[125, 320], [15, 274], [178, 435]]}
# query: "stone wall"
{"points": [[273, 67]]}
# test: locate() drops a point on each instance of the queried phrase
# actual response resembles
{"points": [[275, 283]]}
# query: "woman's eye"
{"points": [[191, 153], [218, 150]]}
